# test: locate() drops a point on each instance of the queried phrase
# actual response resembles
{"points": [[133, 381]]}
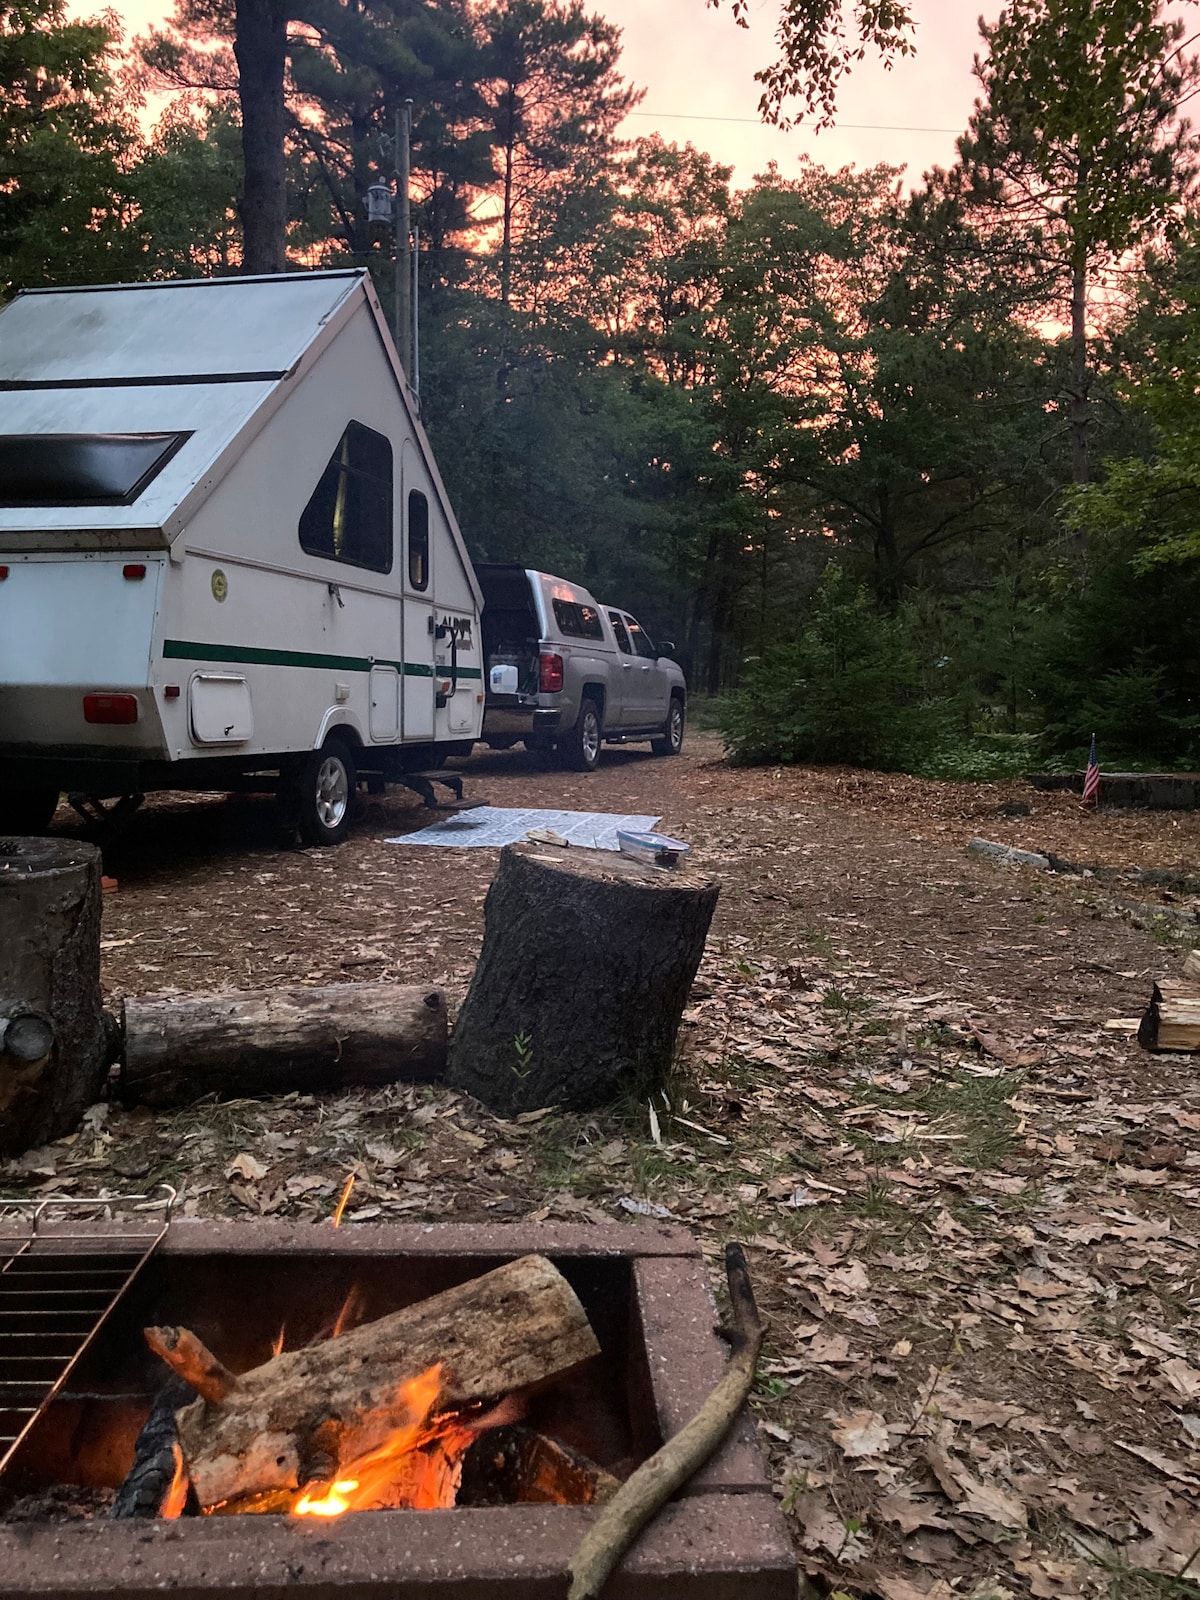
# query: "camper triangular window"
{"points": [[349, 517]]}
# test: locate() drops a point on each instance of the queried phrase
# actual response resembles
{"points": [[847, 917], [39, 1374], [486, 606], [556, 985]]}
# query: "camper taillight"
{"points": [[550, 673], [118, 708]]}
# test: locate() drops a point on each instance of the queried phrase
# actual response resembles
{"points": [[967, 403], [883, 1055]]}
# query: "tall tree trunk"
{"points": [[260, 48], [1078, 408], [510, 157], [887, 556]]}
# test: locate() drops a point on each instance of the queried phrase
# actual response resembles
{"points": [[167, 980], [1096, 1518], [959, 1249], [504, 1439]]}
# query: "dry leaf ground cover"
{"points": [[973, 1214]]}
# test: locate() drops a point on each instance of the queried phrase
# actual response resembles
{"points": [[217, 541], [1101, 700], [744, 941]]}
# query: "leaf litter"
{"points": [[972, 1211]]}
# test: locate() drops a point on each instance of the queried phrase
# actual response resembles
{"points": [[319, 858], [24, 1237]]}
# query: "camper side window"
{"points": [[418, 540], [349, 517]]}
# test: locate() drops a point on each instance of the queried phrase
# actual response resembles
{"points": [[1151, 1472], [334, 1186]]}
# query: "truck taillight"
{"points": [[550, 673], [113, 708], [134, 570]]}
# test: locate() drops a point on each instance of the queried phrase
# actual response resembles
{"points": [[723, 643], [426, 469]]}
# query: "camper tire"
{"points": [[27, 811], [670, 741], [327, 785], [580, 746]]}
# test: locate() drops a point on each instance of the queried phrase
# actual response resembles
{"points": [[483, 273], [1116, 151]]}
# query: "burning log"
{"points": [[51, 1027], [586, 965], [156, 1485], [382, 1415], [253, 1044]]}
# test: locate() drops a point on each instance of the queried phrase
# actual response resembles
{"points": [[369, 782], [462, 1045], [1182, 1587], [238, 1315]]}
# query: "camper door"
{"points": [[419, 618]]}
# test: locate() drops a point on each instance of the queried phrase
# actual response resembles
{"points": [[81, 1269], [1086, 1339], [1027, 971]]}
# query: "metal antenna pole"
{"points": [[403, 323], [416, 325]]}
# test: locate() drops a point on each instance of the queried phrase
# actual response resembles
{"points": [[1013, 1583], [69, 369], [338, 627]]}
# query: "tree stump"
{"points": [[586, 965], [260, 1043], [52, 1055]]}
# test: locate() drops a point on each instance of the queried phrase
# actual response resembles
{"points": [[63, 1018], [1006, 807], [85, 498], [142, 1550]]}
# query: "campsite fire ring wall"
{"points": [[645, 1291]]}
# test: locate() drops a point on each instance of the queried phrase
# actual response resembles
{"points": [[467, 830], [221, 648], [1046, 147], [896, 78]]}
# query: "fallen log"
{"points": [[1171, 1022], [1004, 855], [305, 1416], [652, 1484], [272, 1042], [587, 960]]}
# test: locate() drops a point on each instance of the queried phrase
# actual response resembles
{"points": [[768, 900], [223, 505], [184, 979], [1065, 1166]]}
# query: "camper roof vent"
{"points": [[81, 469]]}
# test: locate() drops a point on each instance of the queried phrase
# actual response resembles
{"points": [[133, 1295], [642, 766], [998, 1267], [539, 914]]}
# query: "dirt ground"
{"points": [[972, 1212]]}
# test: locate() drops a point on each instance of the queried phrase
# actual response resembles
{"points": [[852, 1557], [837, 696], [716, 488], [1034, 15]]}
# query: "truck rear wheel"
{"points": [[670, 741], [25, 811], [580, 745], [326, 788]]}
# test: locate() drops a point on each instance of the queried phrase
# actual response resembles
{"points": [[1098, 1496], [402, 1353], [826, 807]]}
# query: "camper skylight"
{"points": [[81, 469]]}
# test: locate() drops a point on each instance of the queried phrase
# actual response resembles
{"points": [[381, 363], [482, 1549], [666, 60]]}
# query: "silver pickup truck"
{"points": [[563, 671]]}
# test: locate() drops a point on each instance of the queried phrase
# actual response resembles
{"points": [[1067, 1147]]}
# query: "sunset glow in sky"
{"points": [[698, 69]]}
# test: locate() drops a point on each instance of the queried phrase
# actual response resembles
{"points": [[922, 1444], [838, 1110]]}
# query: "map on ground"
{"points": [[493, 826]]}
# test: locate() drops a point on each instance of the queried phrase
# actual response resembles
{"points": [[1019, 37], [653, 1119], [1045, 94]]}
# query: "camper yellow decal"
{"points": [[220, 585]]}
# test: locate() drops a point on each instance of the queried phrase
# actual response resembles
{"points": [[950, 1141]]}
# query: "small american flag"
{"points": [[1091, 778]]}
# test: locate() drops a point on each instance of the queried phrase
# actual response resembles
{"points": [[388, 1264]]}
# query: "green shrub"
{"points": [[846, 688]]}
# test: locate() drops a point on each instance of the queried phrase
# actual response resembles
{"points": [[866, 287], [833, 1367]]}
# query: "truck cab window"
{"points": [[577, 621], [349, 517], [618, 628], [418, 540], [641, 640]]}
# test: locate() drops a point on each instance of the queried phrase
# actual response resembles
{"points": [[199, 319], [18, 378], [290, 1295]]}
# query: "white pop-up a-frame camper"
{"points": [[225, 549]]}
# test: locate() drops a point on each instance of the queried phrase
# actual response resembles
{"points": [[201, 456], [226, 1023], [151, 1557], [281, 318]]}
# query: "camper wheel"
{"points": [[326, 793]]}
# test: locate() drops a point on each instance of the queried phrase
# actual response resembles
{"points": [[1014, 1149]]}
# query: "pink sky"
{"points": [[696, 65], [698, 69]]}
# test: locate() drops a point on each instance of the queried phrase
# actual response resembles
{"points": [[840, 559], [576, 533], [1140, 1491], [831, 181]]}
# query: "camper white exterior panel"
{"points": [[69, 627], [192, 328], [77, 621]]}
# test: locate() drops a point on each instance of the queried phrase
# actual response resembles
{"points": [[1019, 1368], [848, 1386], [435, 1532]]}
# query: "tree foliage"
{"points": [[67, 142], [821, 430], [819, 42]]}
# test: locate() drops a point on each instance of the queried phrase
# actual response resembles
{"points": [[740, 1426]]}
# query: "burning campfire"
{"points": [[380, 1416]]}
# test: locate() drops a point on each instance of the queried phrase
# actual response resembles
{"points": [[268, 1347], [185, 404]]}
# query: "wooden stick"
{"points": [[192, 1360], [656, 1480]]}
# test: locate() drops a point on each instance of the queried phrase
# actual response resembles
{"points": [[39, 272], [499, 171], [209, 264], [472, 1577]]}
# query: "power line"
{"points": [[877, 127]]}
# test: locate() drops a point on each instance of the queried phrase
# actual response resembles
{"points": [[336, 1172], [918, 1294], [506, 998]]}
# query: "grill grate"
{"points": [[56, 1291]]}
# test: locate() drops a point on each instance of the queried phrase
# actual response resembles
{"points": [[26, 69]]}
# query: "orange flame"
{"points": [[348, 1315], [417, 1466], [277, 1341], [176, 1496], [343, 1202]]}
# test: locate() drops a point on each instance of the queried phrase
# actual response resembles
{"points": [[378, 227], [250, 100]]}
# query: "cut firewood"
{"points": [[656, 1480], [1172, 1019], [192, 1360], [303, 1416], [249, 1044]]}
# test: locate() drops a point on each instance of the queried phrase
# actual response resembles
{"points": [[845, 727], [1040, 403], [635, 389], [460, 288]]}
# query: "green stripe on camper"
{"points": [[252, 655]]}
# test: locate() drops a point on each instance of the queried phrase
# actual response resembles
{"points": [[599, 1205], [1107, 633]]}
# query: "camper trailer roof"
{"points": [[101, 371]]}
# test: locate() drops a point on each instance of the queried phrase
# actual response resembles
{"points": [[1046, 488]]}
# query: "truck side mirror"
{"points": [[667, 647]]}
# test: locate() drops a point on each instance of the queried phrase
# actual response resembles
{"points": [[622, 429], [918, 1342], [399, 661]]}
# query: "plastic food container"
{"points": [[657, 849]]}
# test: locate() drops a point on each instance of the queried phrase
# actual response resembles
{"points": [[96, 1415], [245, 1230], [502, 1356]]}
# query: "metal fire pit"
{"points": [[645, 1290]]}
